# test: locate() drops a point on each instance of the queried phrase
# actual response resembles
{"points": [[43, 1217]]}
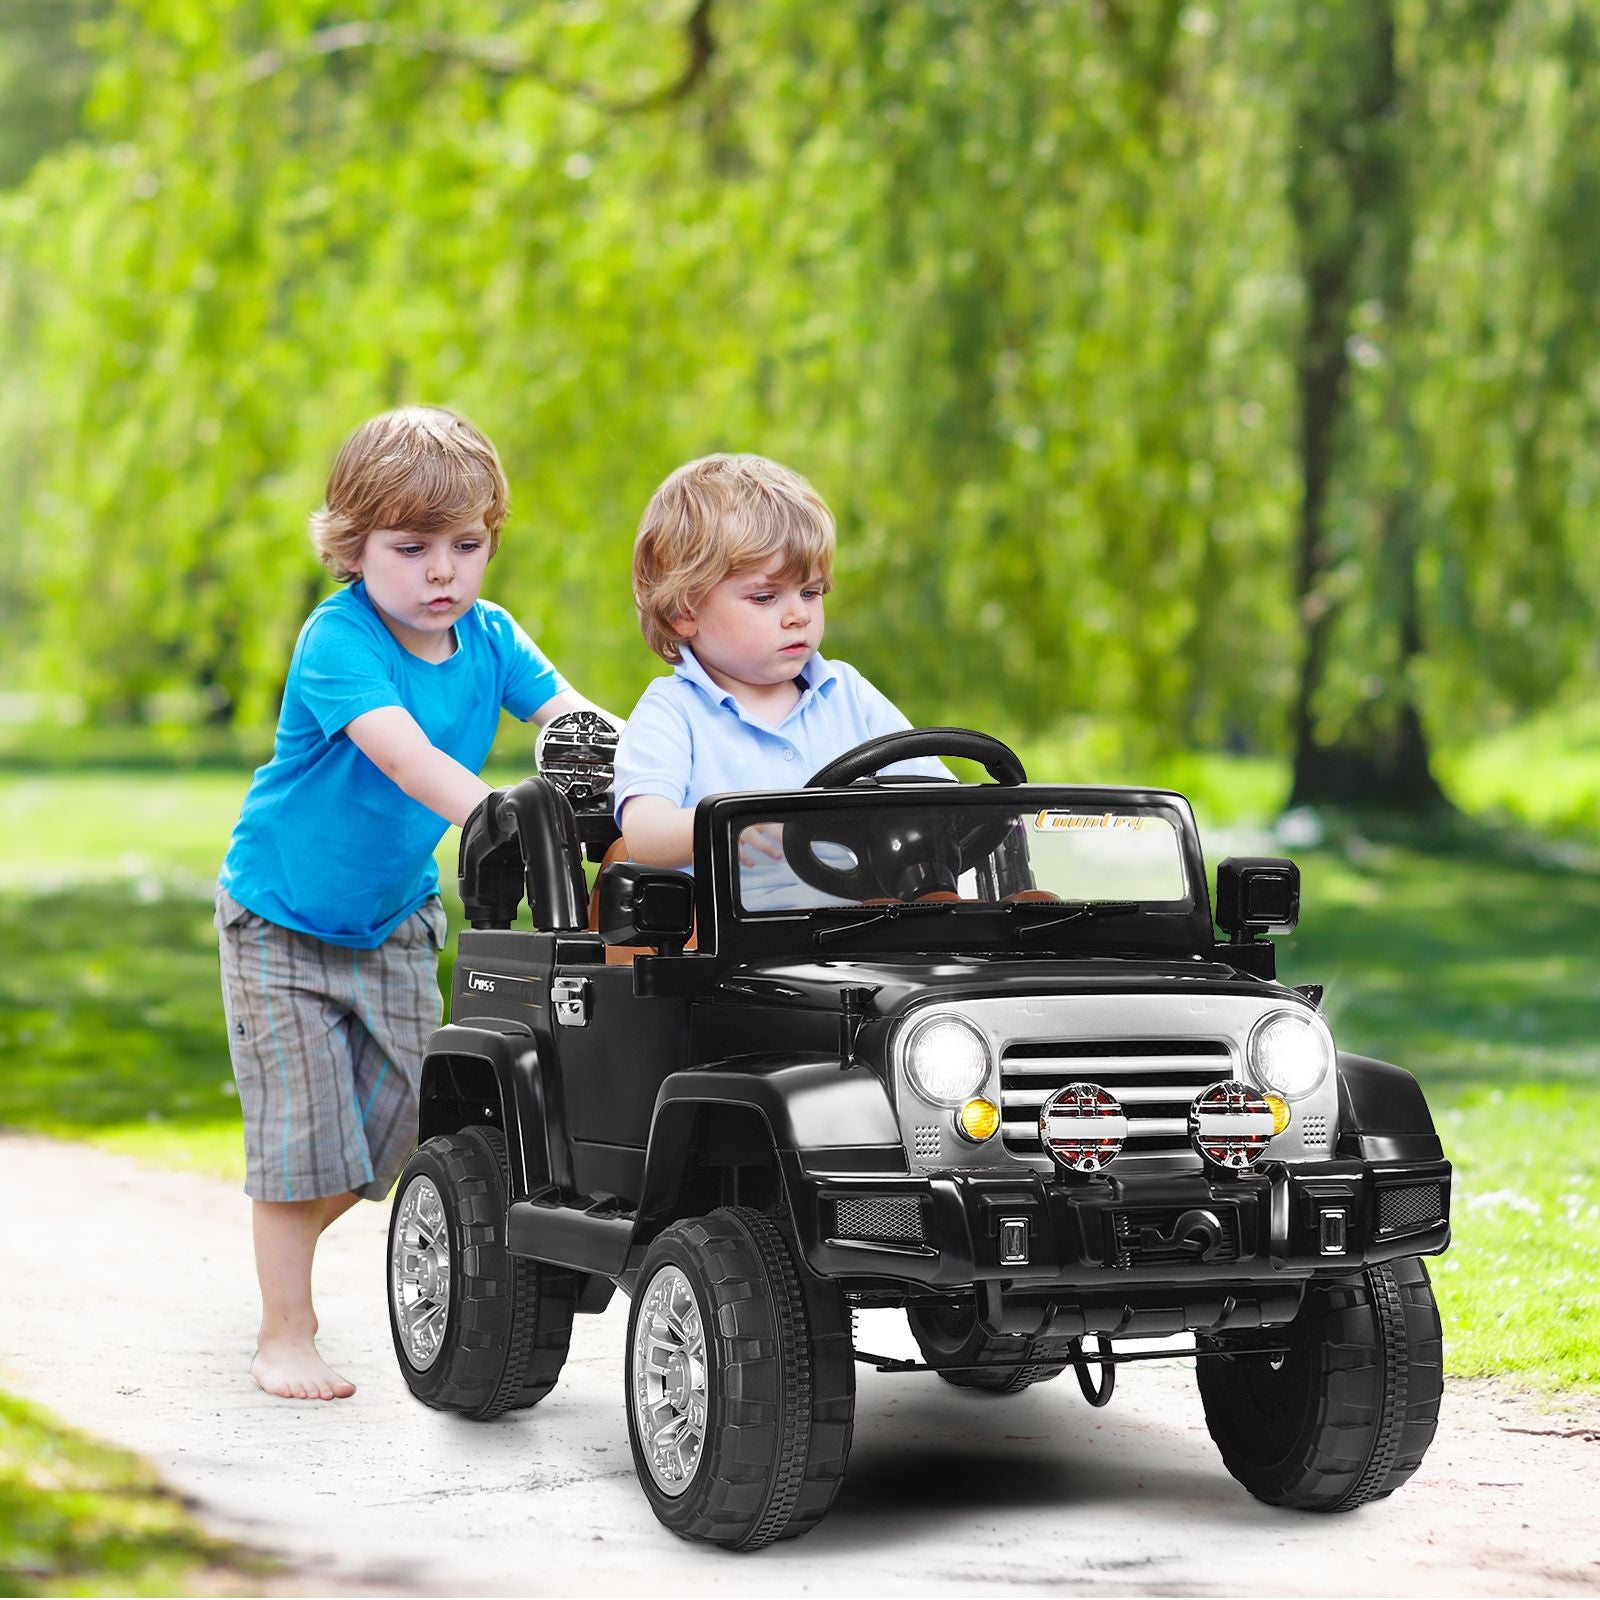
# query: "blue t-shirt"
{"points": [[326, 844]]}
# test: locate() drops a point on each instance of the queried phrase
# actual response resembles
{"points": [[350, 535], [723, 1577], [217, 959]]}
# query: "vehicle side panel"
{"points": [[610, 1070]]}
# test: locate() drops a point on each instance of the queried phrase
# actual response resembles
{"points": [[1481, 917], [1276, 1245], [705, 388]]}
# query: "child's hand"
{"points": [[764, 839]]}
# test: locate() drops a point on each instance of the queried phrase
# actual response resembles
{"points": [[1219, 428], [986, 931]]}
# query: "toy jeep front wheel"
{"points": [[740, 1383], [1347, 1414], [475, 1330]]}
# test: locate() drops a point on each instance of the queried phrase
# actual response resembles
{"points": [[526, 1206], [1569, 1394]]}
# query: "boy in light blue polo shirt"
{"points": [[731, 563], [328, 912]]}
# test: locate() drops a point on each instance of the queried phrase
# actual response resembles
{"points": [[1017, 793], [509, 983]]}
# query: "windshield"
{"points": [[928, 851]]}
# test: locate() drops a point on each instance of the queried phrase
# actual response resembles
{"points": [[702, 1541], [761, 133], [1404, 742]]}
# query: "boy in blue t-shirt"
{"points": [[733, 556], [328, 913]]}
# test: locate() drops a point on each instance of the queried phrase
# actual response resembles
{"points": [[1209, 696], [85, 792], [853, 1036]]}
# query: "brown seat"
{"points": [[617, 850], [1031, 896]]}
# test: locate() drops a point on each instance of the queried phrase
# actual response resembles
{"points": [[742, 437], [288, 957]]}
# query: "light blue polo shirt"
{"points": [[688, 737], [326, 844]]}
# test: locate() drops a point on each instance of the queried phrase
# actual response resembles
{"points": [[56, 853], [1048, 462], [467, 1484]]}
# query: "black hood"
{"points": [[899, 982]]}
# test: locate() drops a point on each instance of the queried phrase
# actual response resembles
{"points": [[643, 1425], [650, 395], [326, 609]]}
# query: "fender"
{"points": [[464, 1066], [794, 1104], [1382, 1113], [808, 1103]]}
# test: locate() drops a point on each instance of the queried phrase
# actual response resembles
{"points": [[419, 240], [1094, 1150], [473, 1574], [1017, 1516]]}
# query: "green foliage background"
{"points": [[1022, 287]]}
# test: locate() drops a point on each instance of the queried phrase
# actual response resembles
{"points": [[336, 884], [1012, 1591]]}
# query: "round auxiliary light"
{"points": [[1290, 1052], [1083, 1127], [1230, 1123], [575, 751], [947, 1059], [979, 1120]]}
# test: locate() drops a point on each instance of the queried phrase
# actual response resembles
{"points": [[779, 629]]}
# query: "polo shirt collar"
{"points": [[819, 674]]}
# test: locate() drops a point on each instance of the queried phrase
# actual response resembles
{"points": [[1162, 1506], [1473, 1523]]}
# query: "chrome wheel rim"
{"points": [[419, 1272], [670, 1380]]}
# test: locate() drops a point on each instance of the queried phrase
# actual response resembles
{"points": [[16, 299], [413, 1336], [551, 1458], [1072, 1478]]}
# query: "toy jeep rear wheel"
{"points": [[475, 1330], [953, 1340], [740, 1383], [1346, 1416]]}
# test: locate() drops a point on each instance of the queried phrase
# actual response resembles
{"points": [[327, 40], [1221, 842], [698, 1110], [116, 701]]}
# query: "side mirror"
{"points": [[647, 906], [1257, 894]]}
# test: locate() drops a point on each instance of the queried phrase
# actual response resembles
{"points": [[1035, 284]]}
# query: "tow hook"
{"points": [[1197, 1233]]}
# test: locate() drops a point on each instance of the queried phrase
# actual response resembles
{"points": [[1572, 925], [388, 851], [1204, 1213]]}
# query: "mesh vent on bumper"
{"points": [[889, 1219], [1417, 1205]]}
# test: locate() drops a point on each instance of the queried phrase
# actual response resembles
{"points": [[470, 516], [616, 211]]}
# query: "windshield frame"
{"points": [[1162, 928]]}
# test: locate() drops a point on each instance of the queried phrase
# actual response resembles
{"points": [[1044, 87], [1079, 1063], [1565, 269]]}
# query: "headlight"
{"points": [[1291, 1053], [947, 1059]]}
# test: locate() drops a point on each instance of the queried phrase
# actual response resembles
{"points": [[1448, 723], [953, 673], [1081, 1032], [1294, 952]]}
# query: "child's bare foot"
{"points": [[292, 1369]]}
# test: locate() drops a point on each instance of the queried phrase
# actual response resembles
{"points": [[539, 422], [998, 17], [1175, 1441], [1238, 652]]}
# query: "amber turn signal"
{"points": [[979, 1120], [1279, 1107]]}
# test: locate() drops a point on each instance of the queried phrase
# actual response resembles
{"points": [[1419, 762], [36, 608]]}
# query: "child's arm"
{"points": [[571, 700], [658, 833], [392, 741]]}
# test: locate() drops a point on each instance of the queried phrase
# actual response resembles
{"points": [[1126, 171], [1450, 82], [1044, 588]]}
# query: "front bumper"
{"points": [[1031, 1232]]}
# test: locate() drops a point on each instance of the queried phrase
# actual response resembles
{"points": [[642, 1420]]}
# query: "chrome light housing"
{"points": [[1083, 1126], [1230, 1123], [947, 1059], [576, 752], [1290, 1052]]}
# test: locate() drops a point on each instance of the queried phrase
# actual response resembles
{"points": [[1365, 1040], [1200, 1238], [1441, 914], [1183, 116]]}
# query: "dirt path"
{"points": [[128, 1310]]}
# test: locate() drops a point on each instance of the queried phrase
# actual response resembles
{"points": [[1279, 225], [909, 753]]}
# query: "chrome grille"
{"points": [[1155, 1080]]}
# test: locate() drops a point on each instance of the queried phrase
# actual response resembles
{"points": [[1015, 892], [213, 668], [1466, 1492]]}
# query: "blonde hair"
{"points": [[420, 468], [721, 515]]}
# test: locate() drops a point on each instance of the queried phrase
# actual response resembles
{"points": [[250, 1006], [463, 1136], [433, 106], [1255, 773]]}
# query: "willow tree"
{"points": [[946, 263], [1442, 184], [1044, 299]]}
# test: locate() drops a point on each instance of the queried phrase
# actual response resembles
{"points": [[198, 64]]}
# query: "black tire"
{"points": [[779, 1383], [507, 1320], [1350, 1412], [952, 1340]]}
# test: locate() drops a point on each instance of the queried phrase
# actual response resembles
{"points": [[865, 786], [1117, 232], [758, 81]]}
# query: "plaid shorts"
{"points": [[327, 1045]]}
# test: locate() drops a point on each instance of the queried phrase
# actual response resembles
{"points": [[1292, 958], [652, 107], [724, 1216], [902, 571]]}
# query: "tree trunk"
{"points": [[1352, 212]]}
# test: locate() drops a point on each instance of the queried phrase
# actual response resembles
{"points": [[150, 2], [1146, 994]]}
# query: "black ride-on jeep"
{"points": [[971, 1050]]}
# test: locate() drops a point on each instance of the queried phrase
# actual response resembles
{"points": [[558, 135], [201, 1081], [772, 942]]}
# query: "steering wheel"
{"points": [[1000, 761], [905, 855]]}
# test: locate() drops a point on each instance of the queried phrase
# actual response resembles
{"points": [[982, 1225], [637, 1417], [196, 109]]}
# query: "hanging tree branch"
{"points": [[489, 55]]}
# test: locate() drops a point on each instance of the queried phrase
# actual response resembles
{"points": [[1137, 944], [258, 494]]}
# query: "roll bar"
{"points": [[523, 840]]}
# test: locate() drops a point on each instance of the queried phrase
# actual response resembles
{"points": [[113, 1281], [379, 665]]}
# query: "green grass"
{"points": [[1468, 961], [1475, 970], [1543, 773], [1518, 1289], [77, 1517]]}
